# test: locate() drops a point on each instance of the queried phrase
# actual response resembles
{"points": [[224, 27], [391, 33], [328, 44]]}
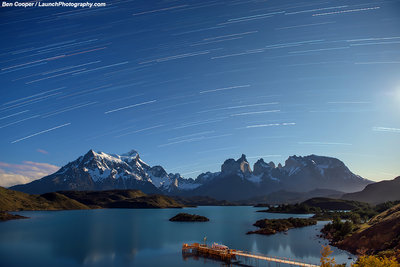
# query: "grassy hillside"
{"points": [[11, 200], [121, 199], [381, 233]]}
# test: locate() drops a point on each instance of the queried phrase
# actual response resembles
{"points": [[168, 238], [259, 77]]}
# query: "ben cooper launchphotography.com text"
{"points": [[52, 4]]}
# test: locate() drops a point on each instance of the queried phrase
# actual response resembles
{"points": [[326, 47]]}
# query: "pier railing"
{"points": [[276, 259]]}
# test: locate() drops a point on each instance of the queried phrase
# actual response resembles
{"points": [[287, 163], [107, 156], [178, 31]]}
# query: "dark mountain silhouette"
{"points": [[378, 192]]}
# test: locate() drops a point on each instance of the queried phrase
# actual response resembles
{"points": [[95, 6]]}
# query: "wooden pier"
{"points": [[230, 255], [208, 252]]}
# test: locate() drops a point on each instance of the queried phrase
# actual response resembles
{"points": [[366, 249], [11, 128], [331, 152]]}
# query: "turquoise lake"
{"points": [[146, 237]]}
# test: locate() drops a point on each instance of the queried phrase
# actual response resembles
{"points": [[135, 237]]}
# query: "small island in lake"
{"points": [[272, 226], [186, 217]]}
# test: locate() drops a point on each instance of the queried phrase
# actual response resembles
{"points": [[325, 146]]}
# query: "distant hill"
{"points": [[334, 204], [287, 197], [121, 199], [202, 201], [381, 233], [11, 200], [377, 192], [317, 205]]}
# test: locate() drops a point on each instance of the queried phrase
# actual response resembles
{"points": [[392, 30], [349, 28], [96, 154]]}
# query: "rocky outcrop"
{"points": [[260, 167], [240, 166]]}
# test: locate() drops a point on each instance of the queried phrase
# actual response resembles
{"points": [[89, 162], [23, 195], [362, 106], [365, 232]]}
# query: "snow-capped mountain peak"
{"points": [[121, 171], [132, 153]]}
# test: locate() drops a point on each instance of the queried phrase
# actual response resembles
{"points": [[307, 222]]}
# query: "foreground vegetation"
{"points": [[380, 260], [373, 232], [379, 234], [360, 228]]}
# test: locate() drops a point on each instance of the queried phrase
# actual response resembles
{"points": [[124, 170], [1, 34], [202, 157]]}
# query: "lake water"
{"points": [[145, 237]]}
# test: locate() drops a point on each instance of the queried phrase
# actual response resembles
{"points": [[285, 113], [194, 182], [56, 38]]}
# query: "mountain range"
{"points": [[236, 180]]}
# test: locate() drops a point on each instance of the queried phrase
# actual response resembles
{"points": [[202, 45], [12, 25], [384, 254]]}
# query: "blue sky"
{"points": [[189, 84]]}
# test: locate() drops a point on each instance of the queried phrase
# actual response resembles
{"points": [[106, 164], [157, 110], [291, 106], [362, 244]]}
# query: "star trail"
{"points": [[189, 84]]}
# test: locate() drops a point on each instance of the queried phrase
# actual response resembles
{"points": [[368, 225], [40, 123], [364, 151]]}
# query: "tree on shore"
{"points": [[363, 261], [374, 261], [325, 260]]}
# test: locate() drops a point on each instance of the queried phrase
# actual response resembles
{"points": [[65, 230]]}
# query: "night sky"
{"points": [[189, 84]]}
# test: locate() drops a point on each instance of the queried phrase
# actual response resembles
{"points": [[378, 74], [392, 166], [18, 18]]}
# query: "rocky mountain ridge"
{"points": [[236, 180]]}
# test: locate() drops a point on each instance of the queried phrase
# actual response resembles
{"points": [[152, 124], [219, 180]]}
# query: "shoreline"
{"points": [[6, 216]]}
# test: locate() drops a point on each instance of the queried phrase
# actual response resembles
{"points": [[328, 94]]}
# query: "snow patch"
{"points": [[322, 168], [274, 179], [188, 186], [255, 178], [99, 176], [293, 170], [160, 181]]}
